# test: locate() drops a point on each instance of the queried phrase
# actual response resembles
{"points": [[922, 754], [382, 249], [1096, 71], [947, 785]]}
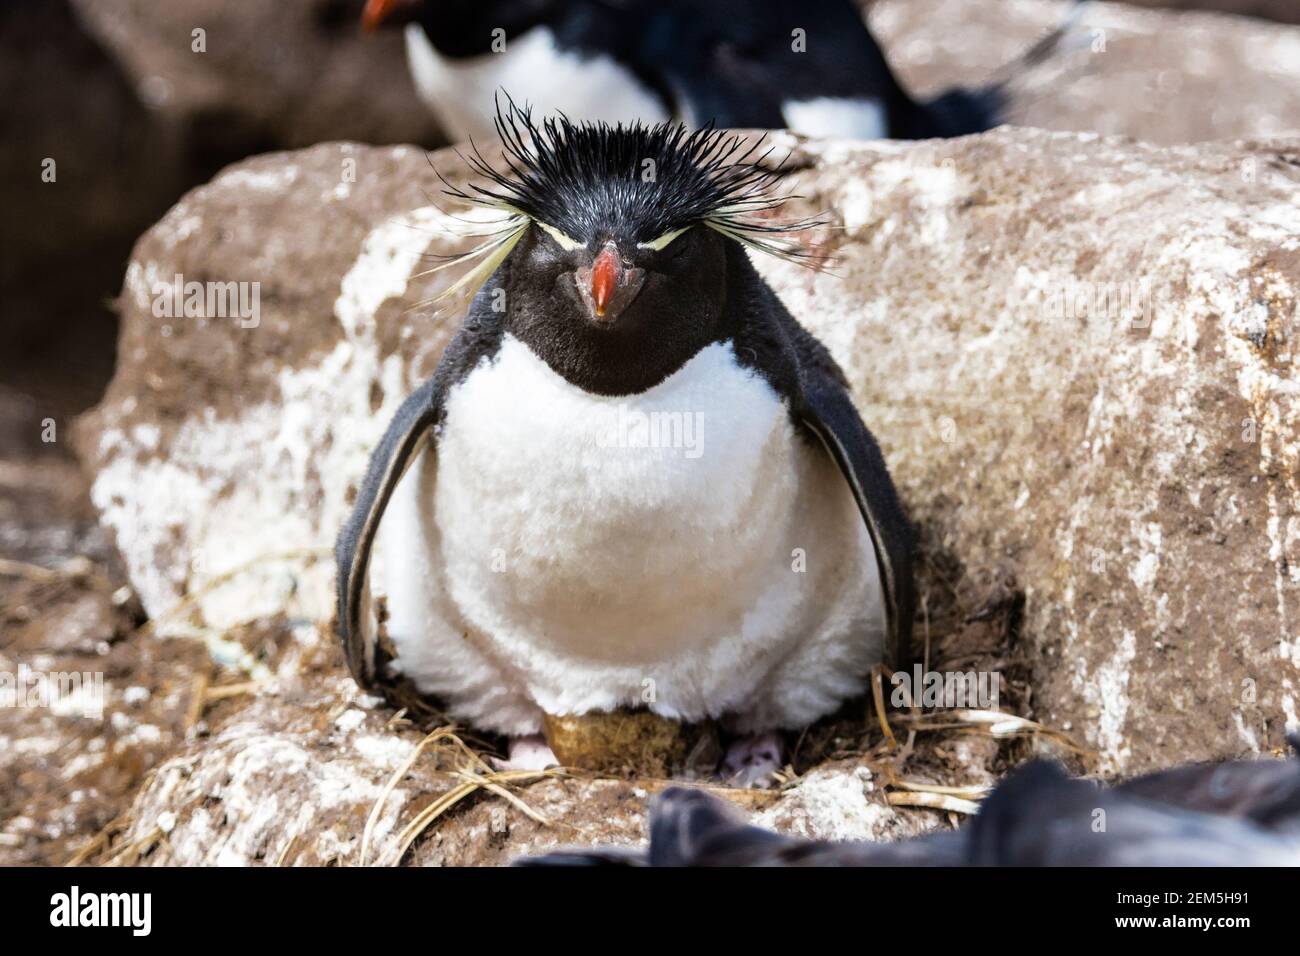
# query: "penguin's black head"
{"points": [[618, 256]]}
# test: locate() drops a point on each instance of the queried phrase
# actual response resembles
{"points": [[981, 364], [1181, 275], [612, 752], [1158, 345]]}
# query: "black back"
{"points": [[412, 426]]}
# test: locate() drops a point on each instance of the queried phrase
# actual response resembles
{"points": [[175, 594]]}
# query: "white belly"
{"points": [[532, 69], [684, 548], [837, 117]]}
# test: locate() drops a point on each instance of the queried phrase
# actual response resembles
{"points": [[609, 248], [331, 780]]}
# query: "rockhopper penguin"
{"points": [[812, 66], [573, 56], [634, 480]]}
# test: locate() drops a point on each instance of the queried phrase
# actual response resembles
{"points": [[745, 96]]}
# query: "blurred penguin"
{"points": [[808, 65]]}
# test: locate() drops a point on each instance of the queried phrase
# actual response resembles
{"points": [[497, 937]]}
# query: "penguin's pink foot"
{"points": [[527, 753], [752, 761]]}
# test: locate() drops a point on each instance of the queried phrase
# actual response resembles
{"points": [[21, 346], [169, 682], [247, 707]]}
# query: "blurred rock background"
{"points": [[115, 94]]}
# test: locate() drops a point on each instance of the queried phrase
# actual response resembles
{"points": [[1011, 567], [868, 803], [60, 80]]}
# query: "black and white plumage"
{"points": [[808, 65], [579, 57], [634, 479], [1236, 813]]}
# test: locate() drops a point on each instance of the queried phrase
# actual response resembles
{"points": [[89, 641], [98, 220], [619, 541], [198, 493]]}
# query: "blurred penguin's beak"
{"points": [[379, 12], [607, 287]]}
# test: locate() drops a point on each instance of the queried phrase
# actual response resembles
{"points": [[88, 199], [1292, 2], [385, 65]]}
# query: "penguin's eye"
{"points": [[566, 243], [662, 241]]}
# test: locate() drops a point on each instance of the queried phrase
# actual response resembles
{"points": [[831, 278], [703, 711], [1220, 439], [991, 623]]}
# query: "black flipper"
{"points": [[827, 410], [405, 438], [409, 432]]}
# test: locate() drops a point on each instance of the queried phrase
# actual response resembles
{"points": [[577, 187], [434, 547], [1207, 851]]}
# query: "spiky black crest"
{"points": [[590, 180]]}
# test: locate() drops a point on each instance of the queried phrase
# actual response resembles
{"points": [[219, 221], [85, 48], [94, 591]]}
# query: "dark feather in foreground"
{"points": [[1266, 792], [1040, 817], [1242, 813]]}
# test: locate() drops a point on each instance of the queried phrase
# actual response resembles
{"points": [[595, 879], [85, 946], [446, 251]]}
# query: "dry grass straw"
{"points": [[77, 569], [224, 691], [126, 854], [474, 774], [99, 849], [129, 854], [99, 842], [936, 801], [203, 693], [29, 572], [993, 723], [198, 699]]}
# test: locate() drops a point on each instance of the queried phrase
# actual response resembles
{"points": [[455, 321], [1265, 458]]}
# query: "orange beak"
{"points": [[604, 277], [377, 12]]}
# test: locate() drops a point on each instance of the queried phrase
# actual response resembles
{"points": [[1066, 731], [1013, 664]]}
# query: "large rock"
{"points": [[1160, 76], [1076, 352]]}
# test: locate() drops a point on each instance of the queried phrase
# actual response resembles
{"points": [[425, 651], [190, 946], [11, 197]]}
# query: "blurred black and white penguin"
{"points": [[634, 480], [808, 65], [1232, 813]]}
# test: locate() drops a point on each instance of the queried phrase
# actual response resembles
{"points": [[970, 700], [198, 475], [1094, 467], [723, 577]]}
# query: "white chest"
{"points": [[683, 549], [837, 117], [532, 69], [613, 520]]}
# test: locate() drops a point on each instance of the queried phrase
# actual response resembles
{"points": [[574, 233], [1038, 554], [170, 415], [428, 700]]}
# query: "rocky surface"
{"points": [[71, 762], [1078, 352], [1074, 350], [1156, 75], [304, 774]]}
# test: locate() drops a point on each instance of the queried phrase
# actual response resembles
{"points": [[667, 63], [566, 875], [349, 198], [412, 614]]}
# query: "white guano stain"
{"points": [[1144, 570], [240, 490], [1107, 692], [1271, 393], [275, 178], [1245, 733]]}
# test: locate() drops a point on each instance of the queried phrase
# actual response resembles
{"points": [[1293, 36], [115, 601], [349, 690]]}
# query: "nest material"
{"points": [[637, 743]]}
